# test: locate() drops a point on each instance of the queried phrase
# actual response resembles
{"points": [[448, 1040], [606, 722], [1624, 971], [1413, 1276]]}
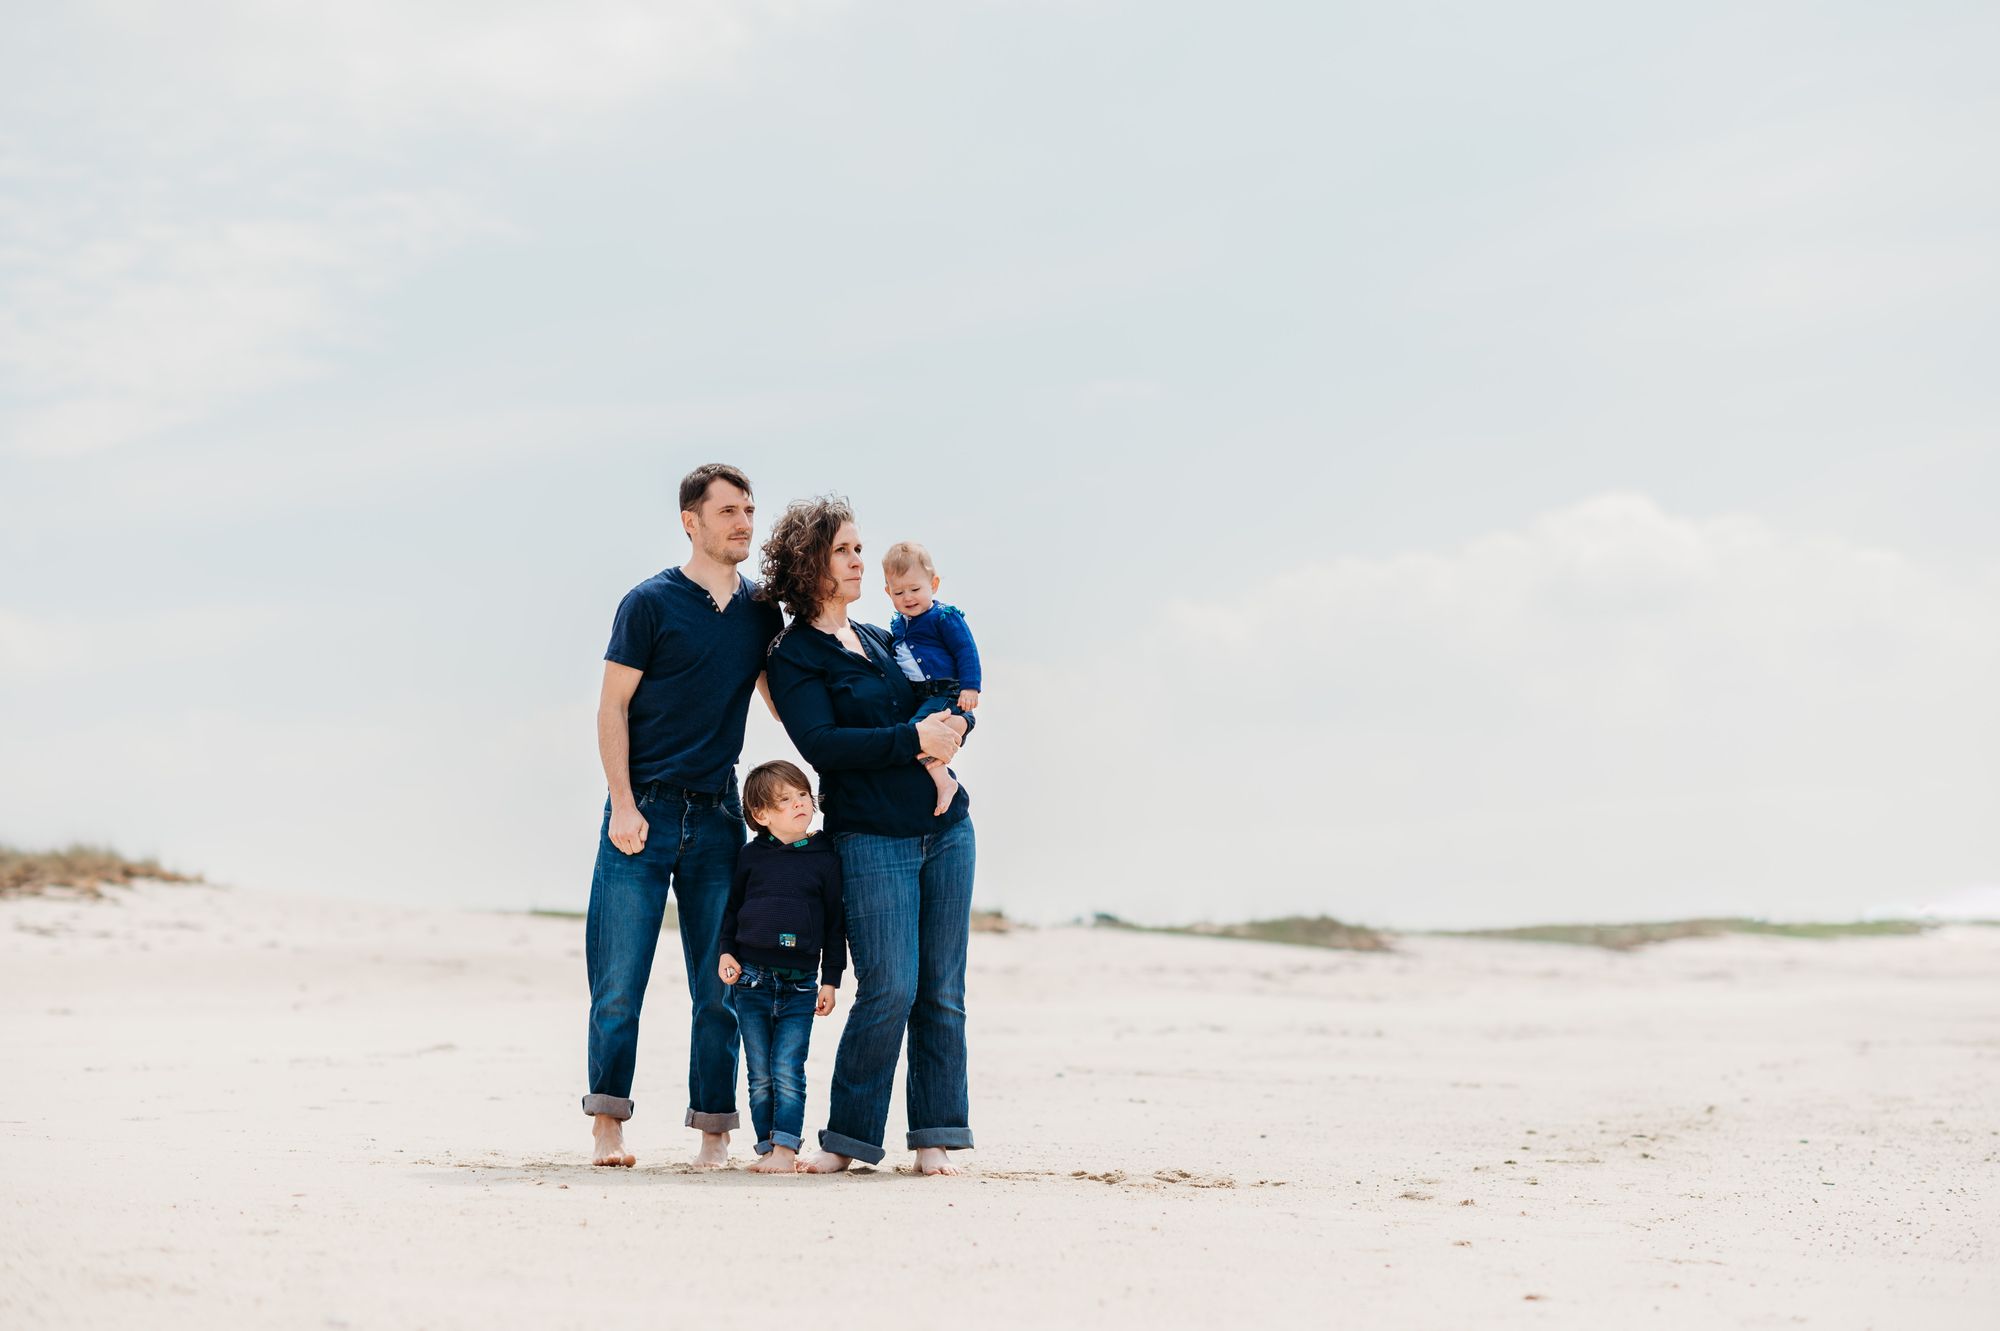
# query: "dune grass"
{"points": [[983, 921], [1327, 932], [671, 920], [1321, 931], [1625, 937], [87, 870]]}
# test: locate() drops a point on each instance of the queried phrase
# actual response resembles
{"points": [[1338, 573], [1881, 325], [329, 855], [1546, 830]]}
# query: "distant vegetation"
{"points": [[983, 921], [85, 869], [1625, 937], [1297, 930], [992, 922], [672, 919], [1325, 931]]}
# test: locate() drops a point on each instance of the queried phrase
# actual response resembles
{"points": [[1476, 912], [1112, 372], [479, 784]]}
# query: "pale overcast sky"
{"points": [[1433, 465]]}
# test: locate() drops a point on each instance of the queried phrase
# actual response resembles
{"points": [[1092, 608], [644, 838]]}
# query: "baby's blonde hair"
{"points": [[906, 555]]}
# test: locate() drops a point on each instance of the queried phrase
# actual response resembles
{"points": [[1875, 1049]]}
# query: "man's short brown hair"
{"points": [[694, 485], [904, 556], [761, 787]]}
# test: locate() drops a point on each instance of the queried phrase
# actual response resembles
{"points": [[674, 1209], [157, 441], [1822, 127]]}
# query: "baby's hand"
{"points": [[828, 995], [968, 699], [728, 970]]}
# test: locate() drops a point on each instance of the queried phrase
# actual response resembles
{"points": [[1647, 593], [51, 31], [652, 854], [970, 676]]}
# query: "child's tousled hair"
{"points": [[904, 556], [761, 787]]}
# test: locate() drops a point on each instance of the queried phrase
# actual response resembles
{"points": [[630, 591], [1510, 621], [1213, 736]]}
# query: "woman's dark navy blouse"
{"points": [[850, 718]]}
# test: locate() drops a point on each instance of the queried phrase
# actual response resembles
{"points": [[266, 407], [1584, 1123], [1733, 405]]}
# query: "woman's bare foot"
{"points": [[781, 1160], [609, 1135], [714, 1152], [935, 1160], [826, 1162]]}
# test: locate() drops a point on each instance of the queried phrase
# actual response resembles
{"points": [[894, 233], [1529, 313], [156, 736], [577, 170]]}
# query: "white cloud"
{"points": [[513, 64], [38, 648], [292, 467], [1610, 710], [216, 228], [1587, 604], [435, 802], [1774, 231], [121, 317]]}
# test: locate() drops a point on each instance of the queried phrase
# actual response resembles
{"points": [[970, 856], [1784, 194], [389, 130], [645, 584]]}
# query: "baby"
{"points": [[784, 908], [933, 646]]}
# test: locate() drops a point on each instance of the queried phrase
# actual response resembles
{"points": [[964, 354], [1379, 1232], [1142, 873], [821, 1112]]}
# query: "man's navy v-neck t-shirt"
{"points": [[699, 663]]}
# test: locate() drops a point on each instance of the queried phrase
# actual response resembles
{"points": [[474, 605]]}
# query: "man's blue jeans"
{"points": [[692, 841], [776, 1018], [909, 913]]}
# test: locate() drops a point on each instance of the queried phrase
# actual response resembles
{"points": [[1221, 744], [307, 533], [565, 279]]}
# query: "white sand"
{"points": [[231, 1109]]}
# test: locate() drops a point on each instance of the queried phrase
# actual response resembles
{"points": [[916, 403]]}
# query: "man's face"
{"points": [[912, 591], [722, 526]]}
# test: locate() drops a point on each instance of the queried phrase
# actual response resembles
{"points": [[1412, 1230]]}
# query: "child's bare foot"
{"points": [[826, 1162], [935, 1160], [781, 1160], [714, 1152], [608, 1134], [947, 787]]}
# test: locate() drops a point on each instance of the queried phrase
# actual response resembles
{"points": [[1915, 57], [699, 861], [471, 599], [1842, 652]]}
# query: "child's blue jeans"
{"points": [[776, 1019], [937, 695]]}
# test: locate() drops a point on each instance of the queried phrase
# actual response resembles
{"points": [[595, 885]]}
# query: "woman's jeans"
{"points": [[692, 841], [909, 911], [776, 1018]]}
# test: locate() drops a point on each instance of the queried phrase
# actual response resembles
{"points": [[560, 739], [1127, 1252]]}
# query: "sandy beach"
{"points": [[227, 1108]]}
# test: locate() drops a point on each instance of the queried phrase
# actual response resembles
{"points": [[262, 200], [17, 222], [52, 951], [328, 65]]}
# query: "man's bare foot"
{"points": [[935, 1160], [609, 1135], [947, 788], [781, 1160], [826, 1162], [714, 1152]]}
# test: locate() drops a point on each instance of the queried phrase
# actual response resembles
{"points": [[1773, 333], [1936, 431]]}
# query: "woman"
{"points": [[908, 870]]}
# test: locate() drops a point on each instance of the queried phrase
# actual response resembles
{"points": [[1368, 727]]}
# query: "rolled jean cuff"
{"points": [[952, 1139], [615, 1105], [830, 1140], [728, 1122], [784, 1139]]}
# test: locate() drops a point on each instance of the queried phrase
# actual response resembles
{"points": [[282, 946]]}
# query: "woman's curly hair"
{"points": [[798, 552]]}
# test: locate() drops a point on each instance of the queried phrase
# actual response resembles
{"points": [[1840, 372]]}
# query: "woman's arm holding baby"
{"points": [[806, 708]]}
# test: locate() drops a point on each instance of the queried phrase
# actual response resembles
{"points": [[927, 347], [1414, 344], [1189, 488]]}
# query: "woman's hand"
{"points": [[938, 734], [727, 969], [828, 996]]}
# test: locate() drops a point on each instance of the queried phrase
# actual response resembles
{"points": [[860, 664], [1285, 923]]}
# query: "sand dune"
{"points": [[226, 1108]]}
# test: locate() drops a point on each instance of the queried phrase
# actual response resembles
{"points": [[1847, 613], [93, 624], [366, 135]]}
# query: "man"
{"points": [[687, 647]]}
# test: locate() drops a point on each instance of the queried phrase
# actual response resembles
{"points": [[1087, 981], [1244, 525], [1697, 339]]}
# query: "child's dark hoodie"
{"points": [[785, 907]]}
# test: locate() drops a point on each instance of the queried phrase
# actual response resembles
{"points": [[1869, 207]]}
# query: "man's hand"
{"points": [[938, 734], [728, 970], [968, 699], [828, 996], [628, 828]]}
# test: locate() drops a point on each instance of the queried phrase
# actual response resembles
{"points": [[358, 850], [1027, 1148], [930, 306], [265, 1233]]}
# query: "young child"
{"points": [[784, 919], [933, 646]]}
